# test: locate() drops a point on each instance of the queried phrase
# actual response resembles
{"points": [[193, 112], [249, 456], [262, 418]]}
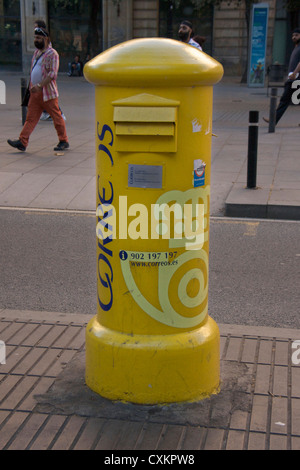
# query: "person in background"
{"points": [[293, 74], [45, 116], [43, 93], [185, 34], [75, 67]]}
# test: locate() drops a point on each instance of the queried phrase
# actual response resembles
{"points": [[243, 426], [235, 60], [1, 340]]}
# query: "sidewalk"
{"points": [[39, 178], [44, 403], [278, 167]]}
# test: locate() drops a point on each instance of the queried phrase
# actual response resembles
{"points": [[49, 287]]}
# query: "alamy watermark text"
{"points": [[2, 92], [296, 353], [177, 221], [296, 94], [2, 352]]}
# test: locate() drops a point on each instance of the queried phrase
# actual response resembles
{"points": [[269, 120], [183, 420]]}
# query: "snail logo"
{"points": [[191, 267]]}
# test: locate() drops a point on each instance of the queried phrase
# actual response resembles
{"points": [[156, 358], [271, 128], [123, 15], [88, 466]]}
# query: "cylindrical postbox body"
{"points": [[152, 340]]}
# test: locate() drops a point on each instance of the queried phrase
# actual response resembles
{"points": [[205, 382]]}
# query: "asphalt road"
{"points": [[48, 262]]}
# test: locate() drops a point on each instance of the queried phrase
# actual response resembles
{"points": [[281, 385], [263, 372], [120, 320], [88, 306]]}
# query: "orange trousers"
{"points": [[36, 106]]}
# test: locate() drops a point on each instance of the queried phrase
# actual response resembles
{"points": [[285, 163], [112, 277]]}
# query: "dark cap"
{"points": [[187, 23], [297, 30]]}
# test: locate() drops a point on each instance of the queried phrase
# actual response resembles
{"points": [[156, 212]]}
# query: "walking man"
{"points": [[43, 92], [293, 73]]}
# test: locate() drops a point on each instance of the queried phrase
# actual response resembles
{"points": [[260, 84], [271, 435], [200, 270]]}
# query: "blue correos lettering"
{"points": [[105, 196]]}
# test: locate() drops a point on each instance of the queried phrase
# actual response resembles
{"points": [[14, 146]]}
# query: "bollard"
{"points": [[272, 113], [252, 149], [24, 108], [152, 340]]}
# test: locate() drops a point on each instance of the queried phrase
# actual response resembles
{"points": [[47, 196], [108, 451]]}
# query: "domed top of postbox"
{"points": [[153, 62]]}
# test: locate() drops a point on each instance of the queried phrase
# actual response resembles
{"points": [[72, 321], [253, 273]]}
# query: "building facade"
{"points": [[82, 27]]}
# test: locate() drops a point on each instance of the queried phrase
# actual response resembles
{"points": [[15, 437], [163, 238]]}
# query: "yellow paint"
{"points": [[155, 368], [251, 227], [152, 340]]}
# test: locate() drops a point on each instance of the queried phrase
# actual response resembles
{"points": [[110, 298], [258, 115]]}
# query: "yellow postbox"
{"points": [[152, 340]]}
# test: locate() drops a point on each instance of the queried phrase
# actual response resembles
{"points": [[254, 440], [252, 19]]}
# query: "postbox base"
{"points": [[154, 369]]}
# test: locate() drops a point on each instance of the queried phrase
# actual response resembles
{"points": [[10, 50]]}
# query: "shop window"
{"points": [[75, 28], [10, 34]]}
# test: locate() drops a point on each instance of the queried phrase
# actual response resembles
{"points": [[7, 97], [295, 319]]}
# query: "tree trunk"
{"points": [[95, 47], [248, 4]]}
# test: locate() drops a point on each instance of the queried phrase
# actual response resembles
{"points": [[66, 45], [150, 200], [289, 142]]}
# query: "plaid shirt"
{"points": [[50, 65]]}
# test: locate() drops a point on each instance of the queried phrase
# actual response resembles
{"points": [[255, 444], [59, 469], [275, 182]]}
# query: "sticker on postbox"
{"points": [[199, 173]]}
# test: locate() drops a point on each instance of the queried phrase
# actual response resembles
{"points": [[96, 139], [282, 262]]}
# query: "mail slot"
{"points": [[152, 120], [152, 340]]}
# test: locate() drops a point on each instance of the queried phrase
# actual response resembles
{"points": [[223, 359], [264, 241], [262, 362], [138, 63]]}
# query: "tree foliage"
{"points": [[292, 5]]}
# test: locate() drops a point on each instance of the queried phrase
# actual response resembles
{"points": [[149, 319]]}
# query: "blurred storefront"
{"points": [[171, 13], [76, 28], [82, 27], [10, 35]]}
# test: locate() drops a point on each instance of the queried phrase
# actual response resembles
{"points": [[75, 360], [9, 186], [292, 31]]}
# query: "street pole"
{"points": [[252, 149], [23, 91], [272, 114]]}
